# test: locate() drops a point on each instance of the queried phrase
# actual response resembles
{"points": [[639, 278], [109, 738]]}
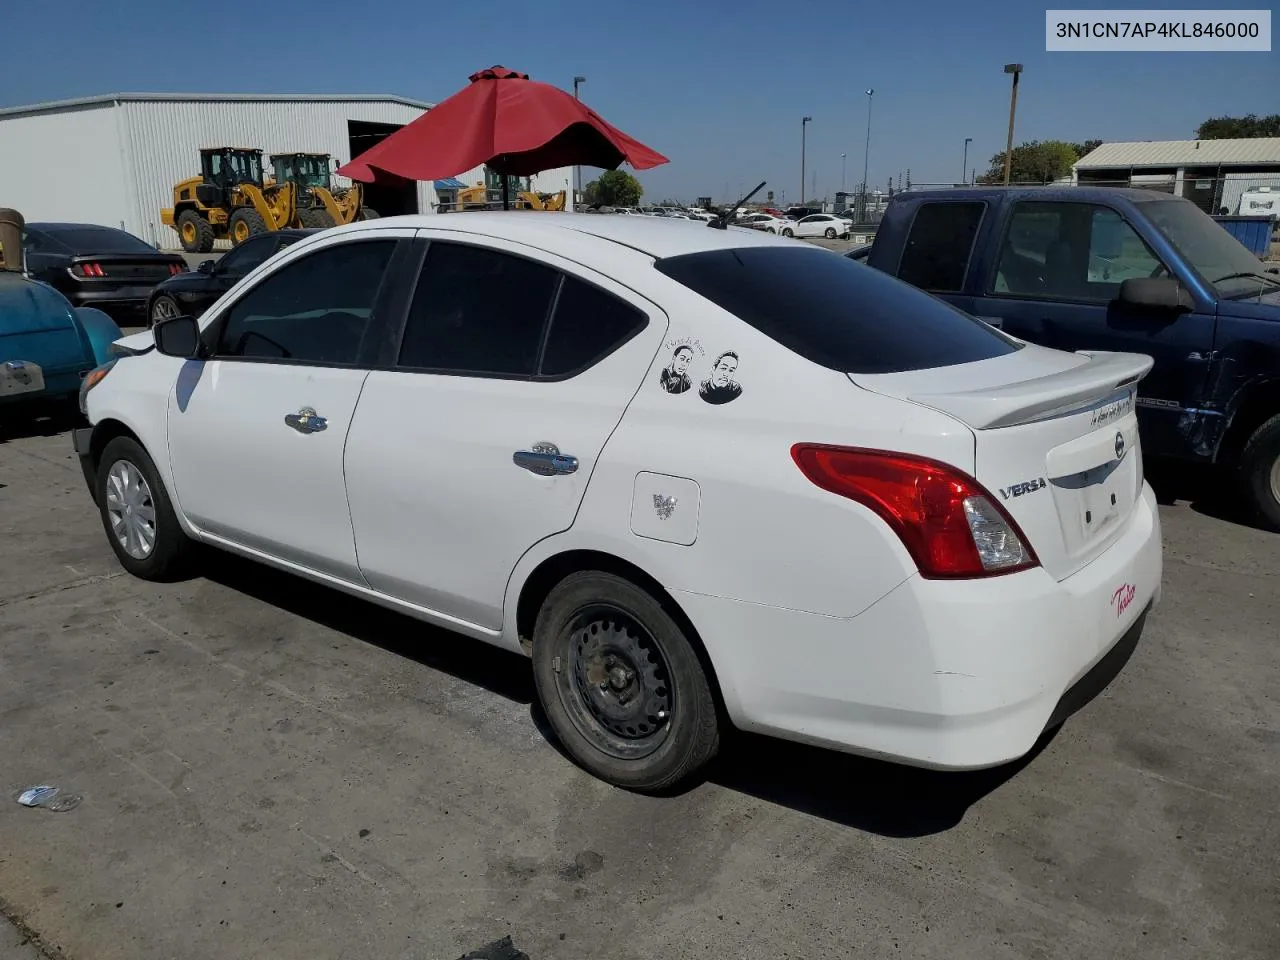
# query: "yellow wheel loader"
{"points": [[480, 197], [320, 203], [228, 200]]}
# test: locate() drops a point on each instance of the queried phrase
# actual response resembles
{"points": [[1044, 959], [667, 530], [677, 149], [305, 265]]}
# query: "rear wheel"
{"points": [[316, 218], [1260, 473], [163, 307], [621, 684], [245, 223], [194, 232], [788, 232], [830, 233], [137, 513], [368, 213]]}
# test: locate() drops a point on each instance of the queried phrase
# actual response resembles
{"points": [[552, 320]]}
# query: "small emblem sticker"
{"points": [[1123, 597], [1119, 446], [664, 506]]}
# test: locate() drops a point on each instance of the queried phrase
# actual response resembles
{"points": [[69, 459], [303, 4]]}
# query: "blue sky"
{"points": [[718, 87]]}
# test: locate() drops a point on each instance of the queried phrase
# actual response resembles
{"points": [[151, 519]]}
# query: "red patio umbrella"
{"points": [[504, 120]]}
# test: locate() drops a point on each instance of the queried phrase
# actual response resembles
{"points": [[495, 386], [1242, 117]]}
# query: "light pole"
{"points": [[1016, 70], [866, 158], [964, 167], [577, 171], [842, 173], [804, 121]]}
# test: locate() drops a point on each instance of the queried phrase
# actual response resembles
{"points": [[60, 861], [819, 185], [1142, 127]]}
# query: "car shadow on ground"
{"points": [[1207, 491], [871, 795], [20, 422]]}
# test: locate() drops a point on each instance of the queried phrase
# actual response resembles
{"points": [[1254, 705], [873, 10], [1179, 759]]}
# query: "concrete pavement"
{"points": [[272, 769]]}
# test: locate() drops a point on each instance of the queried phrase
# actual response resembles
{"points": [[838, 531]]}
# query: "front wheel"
{"points": [[163, 307], [368, 213], [245, 223], [621, 684], [1260, 473], [830, 233], [788, 232], [137, 514]]}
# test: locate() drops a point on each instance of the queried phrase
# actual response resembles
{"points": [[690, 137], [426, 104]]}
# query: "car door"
{"points": [[513, 369], [202, 289], [805, 226], [1055, 280], [257, 430]]}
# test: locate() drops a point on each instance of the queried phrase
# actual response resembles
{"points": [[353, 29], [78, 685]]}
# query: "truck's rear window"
{"points": [[835, 312]]}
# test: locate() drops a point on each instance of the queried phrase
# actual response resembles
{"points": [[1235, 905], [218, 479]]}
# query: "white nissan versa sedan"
{"points": [[701, 476]]}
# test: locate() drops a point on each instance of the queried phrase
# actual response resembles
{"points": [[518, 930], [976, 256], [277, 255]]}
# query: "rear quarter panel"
{"points": [[764, 533]]}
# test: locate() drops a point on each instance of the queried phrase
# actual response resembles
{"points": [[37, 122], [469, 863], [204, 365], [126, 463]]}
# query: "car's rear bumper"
{"points": [[129, 301], [945, 674]]}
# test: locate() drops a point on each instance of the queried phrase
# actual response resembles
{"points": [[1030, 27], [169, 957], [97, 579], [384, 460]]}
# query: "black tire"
{"points": [[171, 549], [368, 213], [830, 233], [316, 218], [195, 233], [245, 223], [1260, 473], [773, 230], [788, 232], [162, 308], [599, 625]]}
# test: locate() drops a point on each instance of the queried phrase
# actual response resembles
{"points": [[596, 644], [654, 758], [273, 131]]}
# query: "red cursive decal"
{"points": [[1123, 597]]}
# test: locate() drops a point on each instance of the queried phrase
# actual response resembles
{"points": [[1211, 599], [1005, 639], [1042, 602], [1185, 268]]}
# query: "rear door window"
{"points": [[936, 255], [588, 325], [835, 312]]}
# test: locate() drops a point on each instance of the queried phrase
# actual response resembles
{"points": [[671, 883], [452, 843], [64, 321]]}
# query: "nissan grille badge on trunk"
{"points": [[1018, 489]]}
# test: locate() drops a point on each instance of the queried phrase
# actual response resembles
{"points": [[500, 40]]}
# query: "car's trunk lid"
{"points": [[127, 269], [1056, 441]]}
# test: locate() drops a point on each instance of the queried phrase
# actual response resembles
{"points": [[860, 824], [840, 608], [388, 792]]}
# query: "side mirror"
{"points": [[1155, 293], [206, 266], [177, 337]]}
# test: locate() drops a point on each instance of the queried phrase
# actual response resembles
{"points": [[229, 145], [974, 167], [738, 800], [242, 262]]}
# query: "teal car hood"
{"points": [[38, 325]]}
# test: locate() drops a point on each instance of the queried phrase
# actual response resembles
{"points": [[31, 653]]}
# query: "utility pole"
{"points": [[1016, 70], [866, 158], [842, 173], [804, 121], [577, 171], [964, 167]]}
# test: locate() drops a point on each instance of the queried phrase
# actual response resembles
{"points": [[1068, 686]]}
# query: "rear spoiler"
{"points": [[1065, 392]]}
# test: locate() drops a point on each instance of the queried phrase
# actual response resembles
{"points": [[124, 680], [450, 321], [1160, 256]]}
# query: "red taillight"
{"points": [[90, 270], [946, 520], [175, 269]]}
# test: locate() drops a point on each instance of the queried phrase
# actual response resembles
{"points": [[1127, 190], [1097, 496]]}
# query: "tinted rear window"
{"points": [[97, 240], [835, 312], [936, 256]]}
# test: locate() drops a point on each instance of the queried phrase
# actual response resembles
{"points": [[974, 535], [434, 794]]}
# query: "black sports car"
{"points": [[191, 294], [101, 267]]}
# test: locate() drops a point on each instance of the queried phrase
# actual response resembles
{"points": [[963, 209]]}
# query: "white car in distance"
{"points": [[701, 477], [817, 225], [762, 221]]}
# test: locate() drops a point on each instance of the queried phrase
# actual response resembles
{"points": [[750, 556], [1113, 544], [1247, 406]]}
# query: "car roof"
{"points": [[655, 236], [1084, 194], [54, 227]]}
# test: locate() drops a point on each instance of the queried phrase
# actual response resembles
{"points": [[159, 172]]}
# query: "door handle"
{"points": [[546, 460], [306, 421]]}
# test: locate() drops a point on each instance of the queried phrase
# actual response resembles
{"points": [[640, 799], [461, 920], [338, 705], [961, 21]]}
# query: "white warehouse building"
{"points": [[114, 159]]}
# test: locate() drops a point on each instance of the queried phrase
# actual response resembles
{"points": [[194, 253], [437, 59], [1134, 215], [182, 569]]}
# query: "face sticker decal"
{"points": [[675, 376], [721, 384]]}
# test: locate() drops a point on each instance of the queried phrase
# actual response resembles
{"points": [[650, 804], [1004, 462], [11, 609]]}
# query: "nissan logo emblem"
{"points": [[1119, 446]]}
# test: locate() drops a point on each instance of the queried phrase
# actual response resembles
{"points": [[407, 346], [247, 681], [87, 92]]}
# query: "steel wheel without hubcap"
{"points": [[189, 234], [131, 510], [616, 686]]}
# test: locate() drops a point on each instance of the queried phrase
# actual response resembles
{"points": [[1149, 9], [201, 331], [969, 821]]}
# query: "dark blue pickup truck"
{"points": [[1081, 268]]}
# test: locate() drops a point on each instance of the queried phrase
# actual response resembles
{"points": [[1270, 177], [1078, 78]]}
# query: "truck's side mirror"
{"points": [[177, 337], [1155, 293]]}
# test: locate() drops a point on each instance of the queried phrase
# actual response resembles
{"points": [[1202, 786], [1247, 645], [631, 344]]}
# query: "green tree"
{"points": [[1086, 148], [1230, 128], [613, 188], [1036, 161]]}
